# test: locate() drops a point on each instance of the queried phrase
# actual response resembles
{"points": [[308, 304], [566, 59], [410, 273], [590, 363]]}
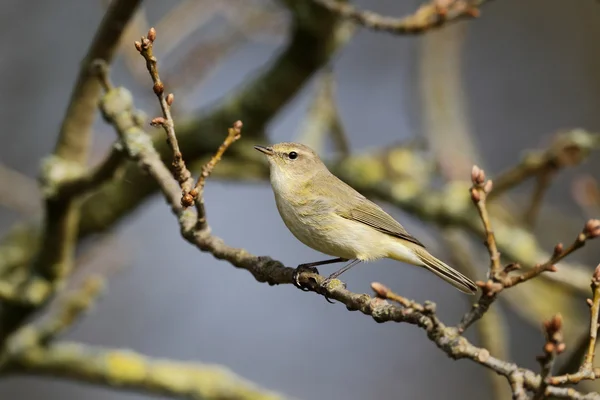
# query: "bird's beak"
{"points": [[267, 150]]}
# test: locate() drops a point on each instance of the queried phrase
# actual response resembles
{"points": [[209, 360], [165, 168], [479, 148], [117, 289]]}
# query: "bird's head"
{"points": [[292, 161]]}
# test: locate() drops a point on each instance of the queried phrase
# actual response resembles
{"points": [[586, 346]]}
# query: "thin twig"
{"points": [[554, 346], [568, 149], [504, 279], [479, 192], [427, 17], [181, 172], [587, 370], [234, 133]]}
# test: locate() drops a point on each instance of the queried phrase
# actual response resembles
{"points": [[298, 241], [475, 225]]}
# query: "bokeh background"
{"points": [[527, 70]]}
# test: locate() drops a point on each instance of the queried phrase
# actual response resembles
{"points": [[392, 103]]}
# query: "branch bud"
{"points": [[475, 196], [558, 249], [487, 188], [592, 228], [152, 34], [158, 121], [187, 200], [170, 98], [380, 289], [477, 175], [158, 88]]}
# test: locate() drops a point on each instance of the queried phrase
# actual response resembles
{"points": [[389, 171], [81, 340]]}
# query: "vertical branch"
{"points": [[594, 314], [55, 258], [181, 172], [479, 192], [234, 133], [71, 151]]}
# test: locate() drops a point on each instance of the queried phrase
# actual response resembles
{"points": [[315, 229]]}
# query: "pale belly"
{"points": [[333, 235]]}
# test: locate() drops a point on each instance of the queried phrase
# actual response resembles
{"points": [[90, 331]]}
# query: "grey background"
{"points": [[531, 68]]}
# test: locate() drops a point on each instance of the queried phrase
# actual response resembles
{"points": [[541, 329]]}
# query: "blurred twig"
{"points": [[568, 149], [427, 17]]}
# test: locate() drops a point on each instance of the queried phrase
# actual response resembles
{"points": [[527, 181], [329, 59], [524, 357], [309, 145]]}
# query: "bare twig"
{"points": [[499, 278], [587, 370], [504, 279], [427, 17], [234, 133], [554, 346], [479, 192], [181, 173], [568, 149], [190, 194]]}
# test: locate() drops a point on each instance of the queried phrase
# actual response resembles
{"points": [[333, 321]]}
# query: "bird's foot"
{"points": [[299, 270]]}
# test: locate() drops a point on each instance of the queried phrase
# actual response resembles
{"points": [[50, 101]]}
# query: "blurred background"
{"points": [[508, 81]]}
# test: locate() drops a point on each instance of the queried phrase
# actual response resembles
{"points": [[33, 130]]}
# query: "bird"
{"points": [[328, 215]]}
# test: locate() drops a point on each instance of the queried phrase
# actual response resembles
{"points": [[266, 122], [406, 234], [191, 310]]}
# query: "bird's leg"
{"points": [[336, 274], [310, 267], [339, 272]]}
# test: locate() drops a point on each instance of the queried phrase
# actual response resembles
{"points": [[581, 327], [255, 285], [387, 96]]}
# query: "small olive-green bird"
{"points": [[329, 216]]}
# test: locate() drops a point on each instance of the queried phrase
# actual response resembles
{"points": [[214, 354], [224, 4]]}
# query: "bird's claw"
{"points": [[323, 287], [296, 278]]}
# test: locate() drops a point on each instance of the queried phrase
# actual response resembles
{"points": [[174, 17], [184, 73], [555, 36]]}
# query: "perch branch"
{"points": [[265, 269]]}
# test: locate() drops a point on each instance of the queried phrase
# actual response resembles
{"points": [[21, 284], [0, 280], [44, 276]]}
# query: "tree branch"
{"points": [[429, 16], [117, 106], [130, 370], [54, 260]]}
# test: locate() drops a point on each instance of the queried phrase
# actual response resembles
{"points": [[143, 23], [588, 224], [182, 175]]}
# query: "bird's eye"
{"points": [[293, 155]]}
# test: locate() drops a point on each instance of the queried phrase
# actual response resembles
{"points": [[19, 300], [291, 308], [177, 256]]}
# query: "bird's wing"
{"points": [[371, 214]]}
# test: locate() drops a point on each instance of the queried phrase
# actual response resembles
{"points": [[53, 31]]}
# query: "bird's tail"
{"points": [[450, 275]]}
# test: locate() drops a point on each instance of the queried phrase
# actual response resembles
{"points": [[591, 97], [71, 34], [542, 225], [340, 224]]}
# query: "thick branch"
{"points": [[55, 258], [129, 370]]}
